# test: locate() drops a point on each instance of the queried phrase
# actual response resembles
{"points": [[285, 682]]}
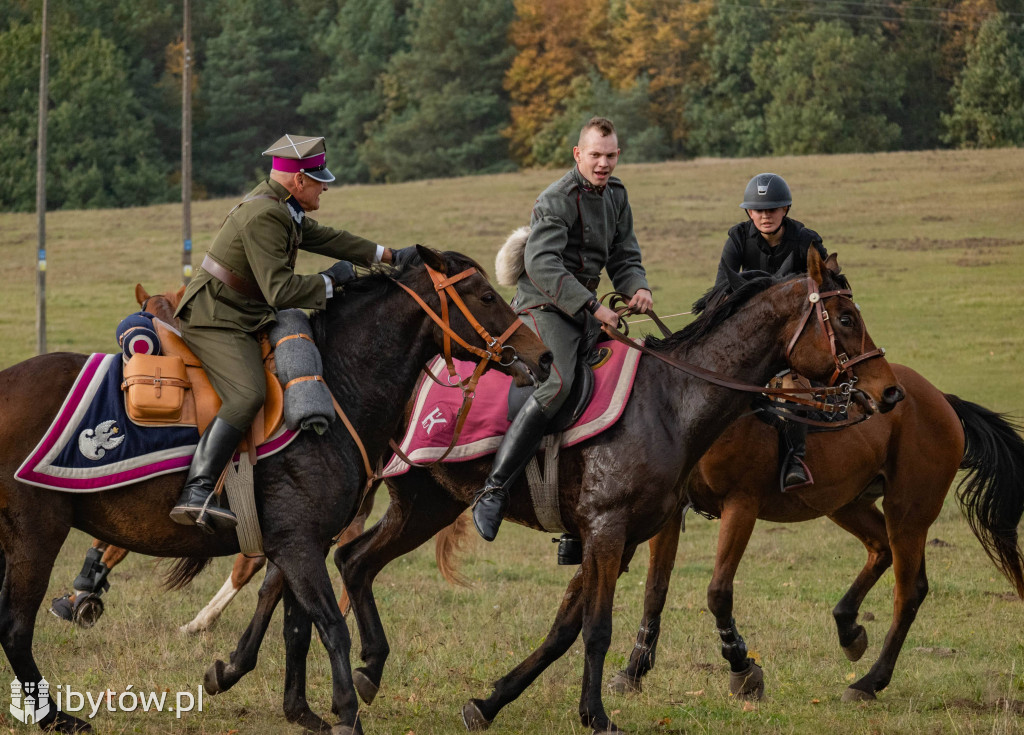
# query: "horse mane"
{"points": [[716, 305], [379, 279]]}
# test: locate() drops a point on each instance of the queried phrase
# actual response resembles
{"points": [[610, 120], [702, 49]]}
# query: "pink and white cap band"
{"points": [[295, 165]]}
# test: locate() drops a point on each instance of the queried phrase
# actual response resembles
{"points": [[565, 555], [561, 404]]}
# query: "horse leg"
{"points": [[83, 606], [306, 576], [663, 557], [243, 570], [352, 532], [220, 676], [910, 590], [477, 714], [746, 679], [603, 563], [298, 632], [410, 520], [27, 566], [866, 522]]}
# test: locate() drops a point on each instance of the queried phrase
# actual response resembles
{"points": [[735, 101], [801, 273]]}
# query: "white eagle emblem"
{"points": [[94, 443]]}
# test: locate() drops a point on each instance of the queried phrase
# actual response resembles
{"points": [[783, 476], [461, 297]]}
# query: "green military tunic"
{"points": [[258, 242], [576, 231]]}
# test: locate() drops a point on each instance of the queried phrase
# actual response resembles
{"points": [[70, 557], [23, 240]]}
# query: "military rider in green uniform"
{"points": [[246, 276], [580, 225]]}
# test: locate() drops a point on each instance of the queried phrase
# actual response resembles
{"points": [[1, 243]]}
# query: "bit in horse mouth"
{"points": [[864, 400]]}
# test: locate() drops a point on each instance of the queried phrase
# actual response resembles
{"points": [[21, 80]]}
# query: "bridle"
{"points": [[831, 399], [816, 305], [496, 351]]}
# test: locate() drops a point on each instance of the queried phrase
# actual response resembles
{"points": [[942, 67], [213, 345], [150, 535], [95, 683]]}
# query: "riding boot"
{"points": [[794, 471], [520, 443], [197, 506]]}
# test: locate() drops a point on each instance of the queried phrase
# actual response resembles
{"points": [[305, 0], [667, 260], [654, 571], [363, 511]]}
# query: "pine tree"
{"points": [[988, 97], [447, 108], [249, 92], [359, 43]]}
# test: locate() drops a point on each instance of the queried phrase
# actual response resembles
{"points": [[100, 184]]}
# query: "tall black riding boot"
{"points": [[521, 442], [794, 471], [196, 506]]}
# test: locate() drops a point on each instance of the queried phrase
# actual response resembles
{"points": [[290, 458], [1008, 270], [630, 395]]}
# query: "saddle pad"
{"points": [[436, 407], [92, 445]]}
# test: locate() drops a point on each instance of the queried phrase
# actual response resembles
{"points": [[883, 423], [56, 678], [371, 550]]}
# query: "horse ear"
{"points": [[433, 258], [140, 294], [815, 265], [832, 264]]}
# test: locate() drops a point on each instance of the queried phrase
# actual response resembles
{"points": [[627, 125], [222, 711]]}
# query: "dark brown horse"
{"points": [[374, 339], [908, 458], [618, 489]]}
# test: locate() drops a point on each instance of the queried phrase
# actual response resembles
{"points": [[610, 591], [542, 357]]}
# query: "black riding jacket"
{"points": [[746, 249]]}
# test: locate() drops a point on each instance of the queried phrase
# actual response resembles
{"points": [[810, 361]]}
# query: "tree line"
{"points": [[407, 89]]}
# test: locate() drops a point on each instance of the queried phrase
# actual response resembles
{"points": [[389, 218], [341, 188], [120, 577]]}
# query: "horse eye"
{"points": [[488, 298], [846, 320]]}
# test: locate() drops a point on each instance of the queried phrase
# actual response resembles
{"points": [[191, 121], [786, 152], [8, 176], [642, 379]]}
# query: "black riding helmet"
{"points": [[767, 191]]}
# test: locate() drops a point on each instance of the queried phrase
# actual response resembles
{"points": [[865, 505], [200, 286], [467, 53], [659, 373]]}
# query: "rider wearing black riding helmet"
{"points": [[768, 240]]}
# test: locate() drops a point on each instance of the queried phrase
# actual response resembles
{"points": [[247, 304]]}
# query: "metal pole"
{"points": [[44, 80], [186, 146]]}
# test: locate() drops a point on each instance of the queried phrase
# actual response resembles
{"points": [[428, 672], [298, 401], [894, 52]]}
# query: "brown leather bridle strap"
{"points": [[495, 352], [371, 475]]}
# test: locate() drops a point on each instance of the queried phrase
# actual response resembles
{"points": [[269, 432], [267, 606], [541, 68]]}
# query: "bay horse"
{"points": [[373, 339], [618, 488], [907, 458]]}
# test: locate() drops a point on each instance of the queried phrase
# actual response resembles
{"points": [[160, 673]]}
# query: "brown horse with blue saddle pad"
{"points": [[374, 340]]}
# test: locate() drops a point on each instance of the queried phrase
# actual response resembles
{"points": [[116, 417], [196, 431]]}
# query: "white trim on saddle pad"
{"points": [[476, 442]]}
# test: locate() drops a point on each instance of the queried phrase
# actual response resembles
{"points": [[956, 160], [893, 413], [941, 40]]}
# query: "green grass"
{"points": [[933, 247]]}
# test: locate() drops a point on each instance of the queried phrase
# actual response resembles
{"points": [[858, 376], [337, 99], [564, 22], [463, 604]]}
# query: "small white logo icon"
{"points": [[94, 443], [432, 419], [30, 702]]}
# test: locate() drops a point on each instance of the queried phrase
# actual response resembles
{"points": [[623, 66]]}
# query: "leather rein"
{"points": [[819, 395], [496, 351]]}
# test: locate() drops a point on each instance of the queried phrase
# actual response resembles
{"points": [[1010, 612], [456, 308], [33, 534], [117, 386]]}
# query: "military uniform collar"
{"points": [[294, 208], [582, 182]]}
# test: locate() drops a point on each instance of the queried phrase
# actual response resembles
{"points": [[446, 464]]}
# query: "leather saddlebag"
{"points": [[154, 387]]}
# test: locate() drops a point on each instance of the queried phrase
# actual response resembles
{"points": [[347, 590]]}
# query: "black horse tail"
{"points": [[991, 494], [183, 571]]}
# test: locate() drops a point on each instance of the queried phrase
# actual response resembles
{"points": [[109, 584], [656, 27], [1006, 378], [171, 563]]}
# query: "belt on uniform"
{"points": [[590, 284], [229, 279]]}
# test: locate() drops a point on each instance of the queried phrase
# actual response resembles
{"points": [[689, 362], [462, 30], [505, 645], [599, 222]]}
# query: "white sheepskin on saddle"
{"points": [[508, 265]]}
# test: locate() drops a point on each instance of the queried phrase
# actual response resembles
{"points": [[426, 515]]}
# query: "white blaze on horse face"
{"points": [[434, 417]]}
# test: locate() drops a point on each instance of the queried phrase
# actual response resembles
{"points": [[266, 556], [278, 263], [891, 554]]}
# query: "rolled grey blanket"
{"points": [[307, 404]]}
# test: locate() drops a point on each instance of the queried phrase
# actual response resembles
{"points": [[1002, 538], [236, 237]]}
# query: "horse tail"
{"points": [[183, 571], [991, 494], [448, 542]]}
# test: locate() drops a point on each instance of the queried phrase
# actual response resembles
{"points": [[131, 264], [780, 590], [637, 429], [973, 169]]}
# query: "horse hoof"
{"points": [[345, 730], [212, 678], [473, 718], [88, 609], [365, 688], [858, 695], [855, 650], [63, 608], [610, 727], [623, 683], [747, 684]]}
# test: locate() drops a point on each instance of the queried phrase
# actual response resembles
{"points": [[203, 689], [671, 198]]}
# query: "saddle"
{"points": [[200, 402], [589, 358]]}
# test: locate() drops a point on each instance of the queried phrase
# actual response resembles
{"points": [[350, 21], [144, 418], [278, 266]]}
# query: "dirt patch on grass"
{"points": [[974, 244]]}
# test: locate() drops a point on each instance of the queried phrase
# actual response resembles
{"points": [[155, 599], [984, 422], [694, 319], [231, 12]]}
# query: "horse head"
{"points": [[162, 306], [830, 341]]}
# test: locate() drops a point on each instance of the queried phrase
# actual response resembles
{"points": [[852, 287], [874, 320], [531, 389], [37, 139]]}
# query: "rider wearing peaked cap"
{"points": [[247, 275], [768, 240]]}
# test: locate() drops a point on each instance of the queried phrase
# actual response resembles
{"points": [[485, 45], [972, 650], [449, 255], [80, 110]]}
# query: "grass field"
{"points": [[933, 247]]}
